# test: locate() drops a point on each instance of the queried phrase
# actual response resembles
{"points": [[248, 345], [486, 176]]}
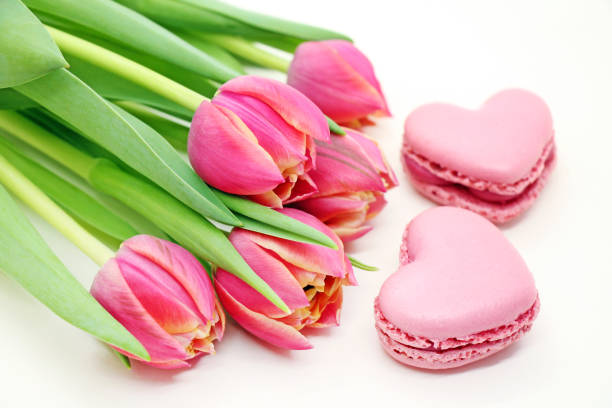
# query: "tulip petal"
{"points": [[158, 298], [360, 63], [327, 207], [376, 206], [170, 365], [268, 199], [112, 291], [311, 257], [286, 145], [343, 166], [270, 269], [374, 153], [226, 155], [330, 316], [322, 74], [181, 265], [295, 108], [270, 330], [303, 188], [219, 326], [348, 234], [350, 273]]}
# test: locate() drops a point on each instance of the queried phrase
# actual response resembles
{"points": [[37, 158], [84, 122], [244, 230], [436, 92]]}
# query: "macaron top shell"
{"points": [[500, 142], [459, 276]]}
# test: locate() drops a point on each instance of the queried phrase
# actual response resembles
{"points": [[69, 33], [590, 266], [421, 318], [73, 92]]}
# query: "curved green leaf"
{"points": [[135, 143], [219, 17], [288, 227], [27, 51], [268, 23], [184, 16], [27, 258], [10, 99], [73, 200], [121, 24], [358, 264], [174, 130]]}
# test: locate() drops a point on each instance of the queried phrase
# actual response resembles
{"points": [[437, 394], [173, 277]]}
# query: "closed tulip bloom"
{"points": [[162, 295], [256, 139], [309, 278], [340, 79], [352, 176]]}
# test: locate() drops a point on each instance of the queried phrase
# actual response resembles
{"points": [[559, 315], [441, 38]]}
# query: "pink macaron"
{"points": [[493, 161], [462, 292]]}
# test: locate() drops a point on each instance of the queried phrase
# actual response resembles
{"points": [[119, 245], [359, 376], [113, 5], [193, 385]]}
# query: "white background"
{"points": [[423, 51]]}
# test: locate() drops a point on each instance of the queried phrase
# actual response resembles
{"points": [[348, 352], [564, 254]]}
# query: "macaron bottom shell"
{"points": [[437, 354], [498, 208]]}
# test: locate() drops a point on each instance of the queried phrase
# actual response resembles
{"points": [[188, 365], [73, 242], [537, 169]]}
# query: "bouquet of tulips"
{"points": [[101, 104]]}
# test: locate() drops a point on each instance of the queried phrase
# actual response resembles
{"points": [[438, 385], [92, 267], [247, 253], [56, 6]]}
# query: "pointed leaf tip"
{"points": [[334, 127], [358, 264]]}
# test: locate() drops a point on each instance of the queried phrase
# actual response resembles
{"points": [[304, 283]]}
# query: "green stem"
{"points": [[247, 50], [47, 142], [34, 198], [127, 69]]}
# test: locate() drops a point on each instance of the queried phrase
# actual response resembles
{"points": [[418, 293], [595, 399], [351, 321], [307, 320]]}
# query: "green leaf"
{"points": [[268, 23], [61, 128], [188, 228], [174, 130], [27, 51], [215, 16], [27, 258], [124, 359], [128, 138], [114, 87], [184, 16], [218, 53], [122, 25], [13, 100], [335, 128], [358, 264], [73, 200], [283, 226], [139, 222], [258, 226]]}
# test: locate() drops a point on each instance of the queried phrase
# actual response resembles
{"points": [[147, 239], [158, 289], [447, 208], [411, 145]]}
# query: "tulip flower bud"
{"points": [[307, 277], [337, 77], [352, 176], [256, 139], [162, 295]]}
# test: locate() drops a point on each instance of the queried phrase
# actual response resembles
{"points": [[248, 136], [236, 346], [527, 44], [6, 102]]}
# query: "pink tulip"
{"points": [[336, 76], [161, 294], [307, 277], [256, 139], [352, 176]]}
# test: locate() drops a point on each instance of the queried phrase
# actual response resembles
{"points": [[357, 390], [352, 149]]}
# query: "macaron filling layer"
{"points": [[426, 172], [450, 352]]}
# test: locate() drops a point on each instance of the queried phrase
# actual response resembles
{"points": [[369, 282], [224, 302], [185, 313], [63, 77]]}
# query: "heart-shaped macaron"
{"points": [[462, 292], [494, 160]]}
